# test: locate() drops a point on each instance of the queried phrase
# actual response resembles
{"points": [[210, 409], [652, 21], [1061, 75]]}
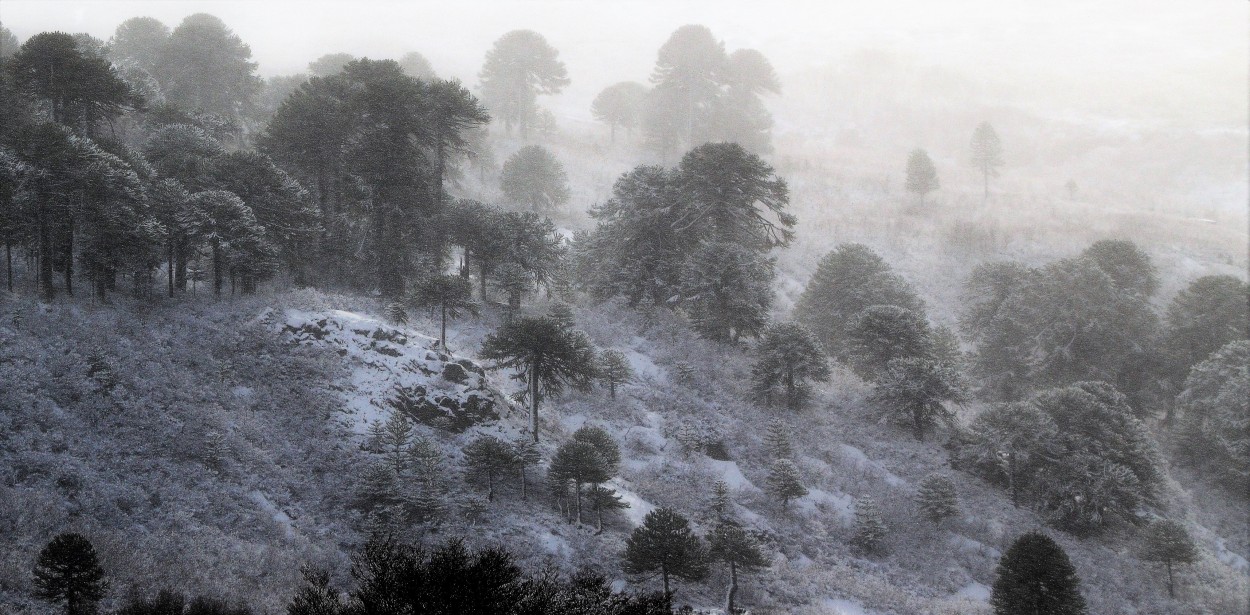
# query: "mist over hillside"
{"points": [[624, 308]]}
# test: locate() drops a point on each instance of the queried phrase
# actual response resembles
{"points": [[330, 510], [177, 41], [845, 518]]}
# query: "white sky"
{"points": [[609, 40]]}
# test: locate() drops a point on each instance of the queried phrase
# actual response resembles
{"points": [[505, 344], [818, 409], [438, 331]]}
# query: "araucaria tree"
{"points": [[987, 154], [620, 105], [68, 572], [488, 457], [547, 358], [451, 295], [883, 333], [614, 369], [788, 358], [520, 67], [1168, 542], [577, 464], [916, 391], [1036, 576], [533, 178], [870, 528], [848, 280], [784, 481], [937, 498], [665, 543], [1215, 404], [922, 176], [730, 544], [777, 440]]}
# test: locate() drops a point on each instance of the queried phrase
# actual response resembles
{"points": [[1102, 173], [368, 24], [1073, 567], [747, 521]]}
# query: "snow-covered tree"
{"points": [[451, 295], [534, 179], [665, 543], [614, 369], [777, 440], [620, 105], [1168, 542], [848, 280], [577, 464], [519, 67], [527, 455], [727, 292], [916, 391], [730, 544], [1208, 314], [396, 440], [547, 358], [788, 358], [603, 443], [784, 481], [721, 506], [487, 457], [882, 333], [870, 528], [604, 499], [1036, 576], [1215, 431], [1008, 444], [937, 498]]}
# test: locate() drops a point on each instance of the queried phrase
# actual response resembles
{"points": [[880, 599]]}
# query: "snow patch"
{"points": [[840, 606], [731, 474], [638, 507], [275, 513], [974, 591], [859, 460]]}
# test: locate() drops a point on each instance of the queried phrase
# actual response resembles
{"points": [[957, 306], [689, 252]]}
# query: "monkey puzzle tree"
{"points": [[922, 176], [547, 358], [788, 357], [731, 544], [987, 154], [534, 178], [1036, 576], [1168, 542], [68, 571], [451, 294], [518, 68], [665, 543], [620, 105]]}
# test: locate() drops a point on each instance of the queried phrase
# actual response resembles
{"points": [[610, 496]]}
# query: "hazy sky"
{"points": [[607, 40]]}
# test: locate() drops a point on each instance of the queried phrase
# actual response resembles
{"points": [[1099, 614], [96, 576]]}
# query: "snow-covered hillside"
{"points": [[108, 415]]}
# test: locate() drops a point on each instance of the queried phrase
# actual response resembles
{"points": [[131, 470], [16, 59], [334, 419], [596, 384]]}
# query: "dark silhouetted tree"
{"points": [[987, 154], [518, 68], [1168, 542], [451, 295], [68, 572], [665, 543], [916, 392], [1036, 576], [533, 178], [730, 544], [922, 176], [937, 498], [784, 481], [487, 457]]}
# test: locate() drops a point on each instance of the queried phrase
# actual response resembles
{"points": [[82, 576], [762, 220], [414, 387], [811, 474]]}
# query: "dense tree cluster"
{"points": [[701, 93], [1076, 452], [694, 238]]}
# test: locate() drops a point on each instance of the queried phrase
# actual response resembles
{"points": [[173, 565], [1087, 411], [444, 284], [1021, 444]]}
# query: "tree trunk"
{"points": [[45, 253], [612, 387], [668, 595], [180, 265], [534, 399], [523, 498], [1171, 589], [733, 587], [490, 486], [1011, 480], [8, 262], [69, 257], [218, 278], [917, 423], [443, 339], [577, 498]]}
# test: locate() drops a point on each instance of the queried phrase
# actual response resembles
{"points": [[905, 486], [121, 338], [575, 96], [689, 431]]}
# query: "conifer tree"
{"points": [[527, 455], [784, 481], [378, 487], [721, 506], [916, 390], [870, 528], [937, 498], [486, 458], [777, 440], [396, 440], [848, 280], [1035, 576], [426, 461], [921, 175], [788, 357], [604, 444], [881, 333], [987, 154], [665, 543], [602, 498], [576, 464], [452, 295], [614, 369], [730, 544], [68, 571], [562, 314], [547, 358], [1169, 543]]}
